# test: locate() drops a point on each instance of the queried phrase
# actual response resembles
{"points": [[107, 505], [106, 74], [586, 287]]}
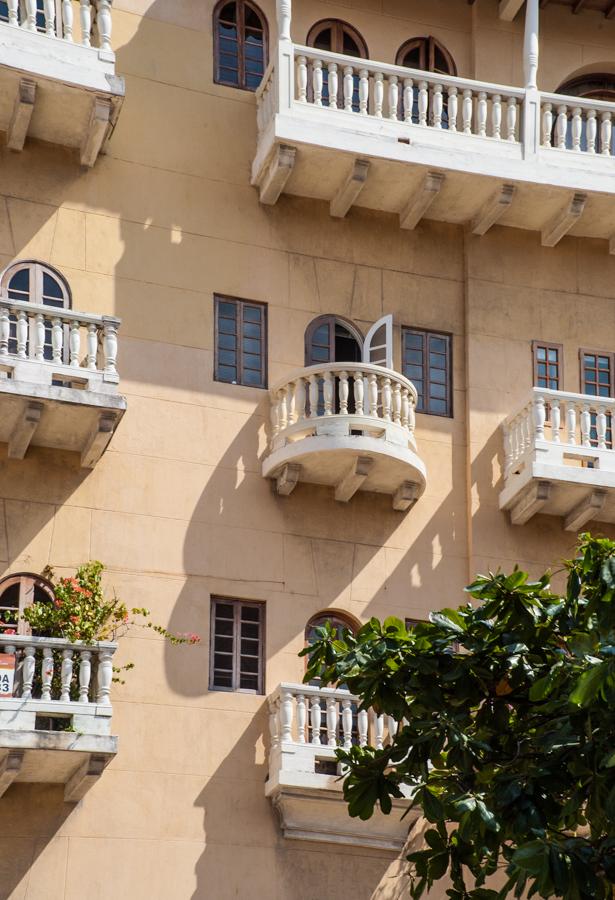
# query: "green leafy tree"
{"points": [[508, 739]]}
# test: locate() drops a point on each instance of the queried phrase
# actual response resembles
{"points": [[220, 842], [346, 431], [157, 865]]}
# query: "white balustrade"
{"points": [[334, 719], [39, 659], [94, 18], [560, 424], [46, 344], [577, 124], [366, 398]]}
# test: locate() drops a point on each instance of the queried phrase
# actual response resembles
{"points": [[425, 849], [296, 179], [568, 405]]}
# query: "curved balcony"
{"points": [[347, 425]]}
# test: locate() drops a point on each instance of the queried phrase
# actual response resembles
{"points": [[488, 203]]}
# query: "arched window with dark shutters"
{"points": [[336, 36], [240, 44], [17, 592], [428, 55]]}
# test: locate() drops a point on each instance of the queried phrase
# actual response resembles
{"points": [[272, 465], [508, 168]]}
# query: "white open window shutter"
{"points": [[378, 345]]}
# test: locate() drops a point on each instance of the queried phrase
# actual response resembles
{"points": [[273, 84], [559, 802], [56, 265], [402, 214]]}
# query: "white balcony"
{"points": [[58, 380], [55, 712], [559, 459], [347, 425], [353, 131], [57, 75], [306, 725]]}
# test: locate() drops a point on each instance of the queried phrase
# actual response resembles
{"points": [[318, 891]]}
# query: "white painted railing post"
{"points": [[67, 20], [66, 675], [5, 331], [284, 72], [333, 85], [103, 20], [531, 44], [110, 345], [104, 677], [315, 717], [301, 718], [85, 674], [47, 673], [85, 17], [27, 672]]}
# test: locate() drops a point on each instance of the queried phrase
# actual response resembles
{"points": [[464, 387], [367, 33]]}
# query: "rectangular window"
{"points": [[597, 368], [548, 365], [236, 646], [240, 342], [426, 361]]}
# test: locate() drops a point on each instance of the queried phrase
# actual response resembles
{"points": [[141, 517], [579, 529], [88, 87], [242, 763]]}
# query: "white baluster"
{"points": [[363, 91], [601, 427], [466, 111], [286, 716], [92, 345], [343, 393], [392, 728], [74, 343], [38, 324], [302, 78], [437, 106], [313, 393], [274, 723], [411, 416], [57, 339], [333, 85], [539, 418], [547, 124], [577, 127], [317, 81], [5, 331], [85, 674], [30, 23], [386, 398], [66, 675], [379, 731], [358, 393], [275, 418], [110, 346], [103, 20], [372, 394], [393, 98], [332, 720], [378, 94], [47, 673], [85, 17], [50, 18], [453, 108], [591, 130], [482, 113], [585, 425], [511, 119], [27, 672], [300, 399], [571, 422], [397, 403], [301, 718], [508, 454], [496, 117], [405, 408], [347, 723], [282, 408], [605, 134], [22, 334], [562, 126], [362, 725], [555, 421], [328, 393], [104, 677], [67, 20], [408, 99], [13, 6], [315, 717], [291, 412], [348, 88], [423, 102]]}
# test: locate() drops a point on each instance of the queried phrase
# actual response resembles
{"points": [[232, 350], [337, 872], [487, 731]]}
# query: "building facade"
{"points": [[306, 313]]}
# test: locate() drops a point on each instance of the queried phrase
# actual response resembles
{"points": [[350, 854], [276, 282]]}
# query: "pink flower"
{"points": [[10, 631], [57, 603], [74, 618], [194, 638]]}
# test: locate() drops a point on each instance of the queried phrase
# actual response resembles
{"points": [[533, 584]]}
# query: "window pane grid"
{"points": [[240, 343], [597, 381], [426, 362], [547, 366], [236, 627], [241, 46]]}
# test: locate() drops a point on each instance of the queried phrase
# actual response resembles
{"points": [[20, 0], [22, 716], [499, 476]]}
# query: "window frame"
{"points": [[582, 382], [337, 27], [427, 46], [37, 270], [448, 335], [237, 604], [241, 303], [548, 345], [27, 581], [240, 4]]}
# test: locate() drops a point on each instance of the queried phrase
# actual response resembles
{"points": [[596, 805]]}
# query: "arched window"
{"points": [[332, 339], [592, 86], [338, 620], [336, 36], [35, 282], [240, 44], [18, 592], [427, 54]]}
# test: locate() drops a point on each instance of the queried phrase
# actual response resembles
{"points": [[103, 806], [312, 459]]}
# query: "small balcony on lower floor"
{"points": [[57, 75], [347, 425], [559, 459], [416, 144], [307, 724], [58, 380], [55, 712]]}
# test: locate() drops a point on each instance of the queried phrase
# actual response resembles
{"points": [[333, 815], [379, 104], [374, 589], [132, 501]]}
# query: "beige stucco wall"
{"points": [[177, 508]]}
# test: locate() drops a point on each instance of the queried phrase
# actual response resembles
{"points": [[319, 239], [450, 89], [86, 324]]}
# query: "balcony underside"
{"points": [[58, 92], [416, 172], [57, 417], [575, 493], [349, 463]]}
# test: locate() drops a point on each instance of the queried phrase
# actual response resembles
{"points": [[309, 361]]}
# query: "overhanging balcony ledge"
{"points": [[307, 723], [349, 426], [55, 729], [559, 459], [58, 76], [349, 131], [59, 385]]}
